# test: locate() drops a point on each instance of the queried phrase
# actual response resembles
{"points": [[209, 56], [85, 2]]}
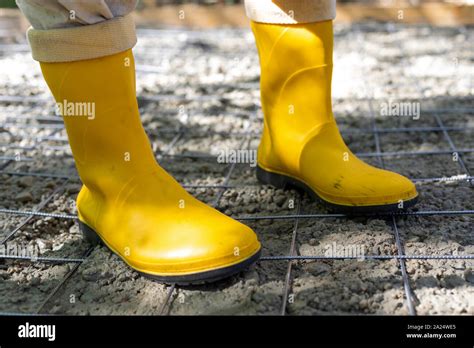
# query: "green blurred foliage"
{"points": [[7, 4]]}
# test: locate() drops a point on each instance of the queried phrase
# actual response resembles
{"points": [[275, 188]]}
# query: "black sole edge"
{"points": [[283, 182], [191, 279], [208, 276]]}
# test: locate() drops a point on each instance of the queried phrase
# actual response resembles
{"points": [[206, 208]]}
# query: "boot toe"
{"points": [[377, 188], [194, 246], [386, 188]]}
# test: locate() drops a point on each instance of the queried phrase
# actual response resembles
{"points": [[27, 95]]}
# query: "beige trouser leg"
{"points": [[69, 30], [290, 11]]}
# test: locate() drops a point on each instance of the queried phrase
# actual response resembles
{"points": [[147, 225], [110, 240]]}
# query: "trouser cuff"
{"points": [[290, 11], [83, 42]]}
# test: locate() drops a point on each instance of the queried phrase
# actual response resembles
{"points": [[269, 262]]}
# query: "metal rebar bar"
{"points": [[366, 257], [59, 260], [63, 281], [41, 259], [287, 286], [277, 217], [347, 131], [166, 306], [445, 179], [451, 145], [403, 269], [405, 279]]}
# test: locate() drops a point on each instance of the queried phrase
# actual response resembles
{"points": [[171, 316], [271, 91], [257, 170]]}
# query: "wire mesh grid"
{"points": [[52, 127]]}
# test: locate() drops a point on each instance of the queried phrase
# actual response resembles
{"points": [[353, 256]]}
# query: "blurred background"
{"points": [[230, 13]]}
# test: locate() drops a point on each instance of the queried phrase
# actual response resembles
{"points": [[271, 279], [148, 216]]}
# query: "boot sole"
{"points": [[189, 279], [282, 181]]}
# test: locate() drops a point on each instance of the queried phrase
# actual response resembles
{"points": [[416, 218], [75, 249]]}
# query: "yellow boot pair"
{"points": [[143, 215]]}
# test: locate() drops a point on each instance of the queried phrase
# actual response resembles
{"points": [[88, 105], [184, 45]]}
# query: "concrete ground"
{"points": [[198, 93]]}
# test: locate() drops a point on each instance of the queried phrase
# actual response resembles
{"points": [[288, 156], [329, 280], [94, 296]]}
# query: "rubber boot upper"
{"points": [[300, 137]]}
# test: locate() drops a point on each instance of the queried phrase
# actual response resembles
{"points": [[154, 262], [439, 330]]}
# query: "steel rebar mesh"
{"points": [[245, 137]]}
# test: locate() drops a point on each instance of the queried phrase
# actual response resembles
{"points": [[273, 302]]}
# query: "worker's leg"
{"points": [[67, 30], [301, 144], [128, 201], [290, 11], [53, 14]]}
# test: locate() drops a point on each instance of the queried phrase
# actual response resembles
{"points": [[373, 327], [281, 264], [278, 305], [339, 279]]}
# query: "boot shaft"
{"points": [[296, 72], [110, 142]]}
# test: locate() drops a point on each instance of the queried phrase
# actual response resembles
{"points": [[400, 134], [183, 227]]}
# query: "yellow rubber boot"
{"points": [[128, 201], [301, 144]]}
